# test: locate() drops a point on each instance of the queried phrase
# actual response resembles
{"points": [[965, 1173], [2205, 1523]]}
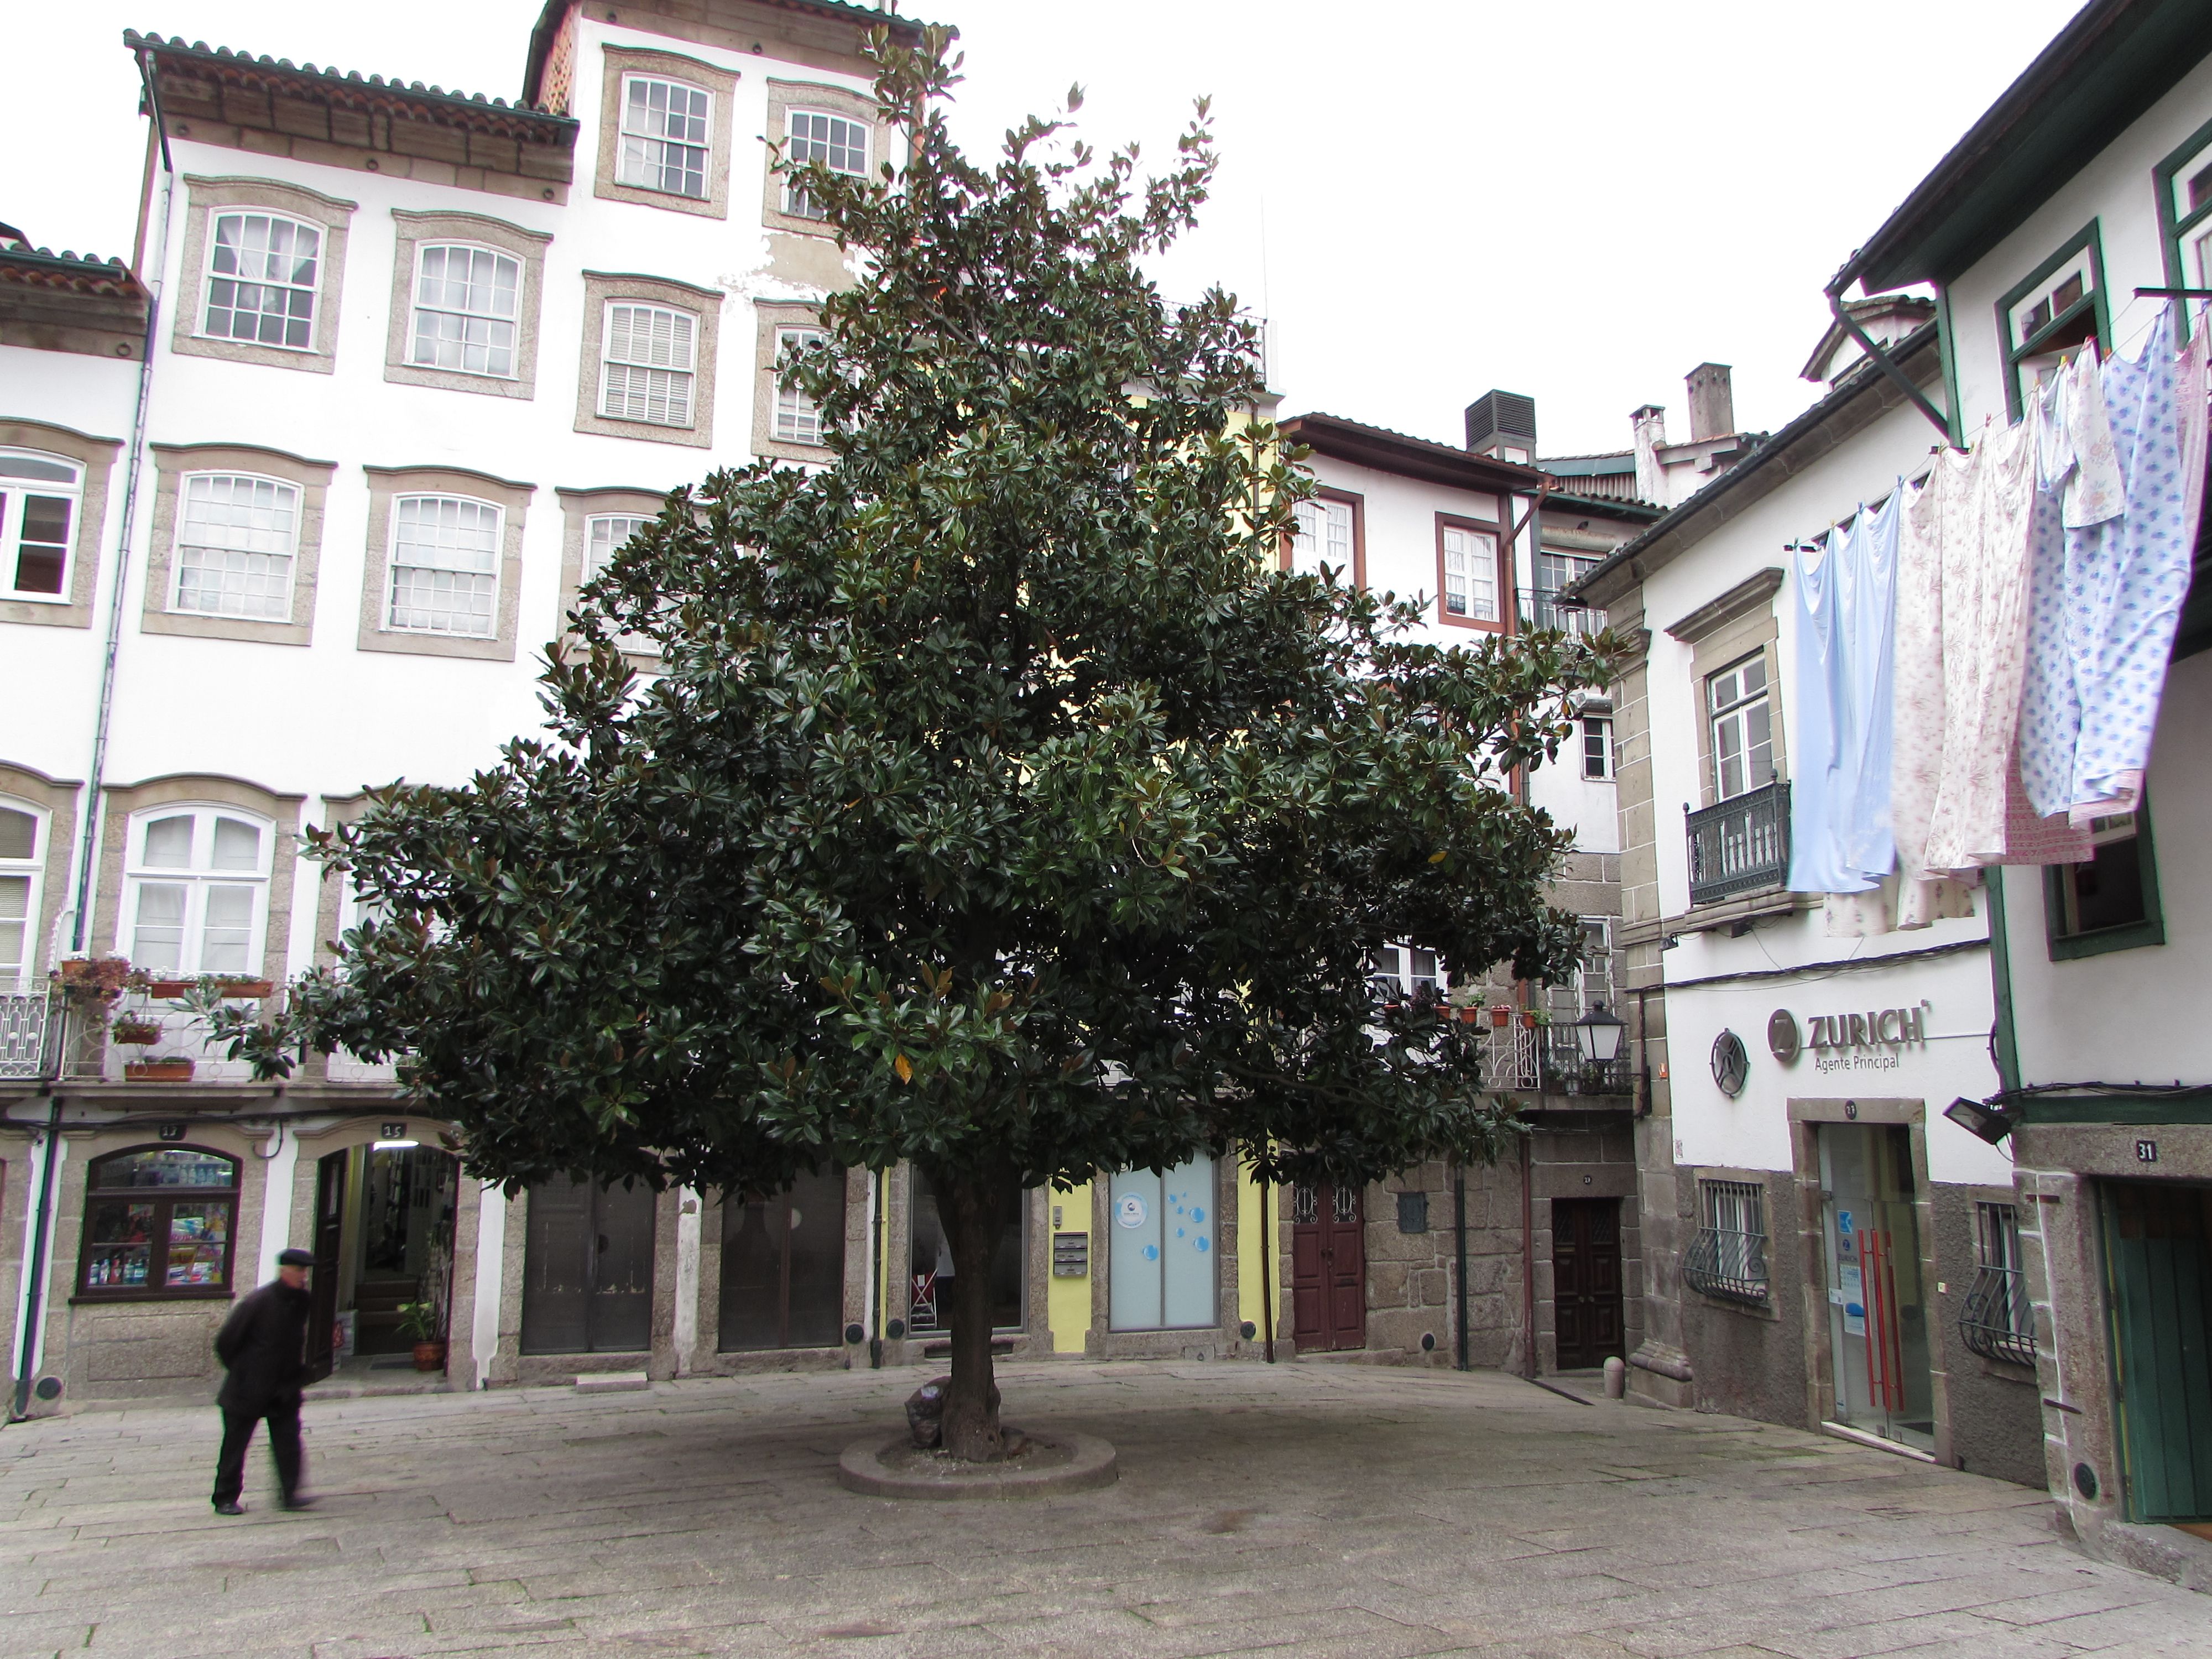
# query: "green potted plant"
{"points": [[134, 1032], [418, 1323], [171, 1068]]}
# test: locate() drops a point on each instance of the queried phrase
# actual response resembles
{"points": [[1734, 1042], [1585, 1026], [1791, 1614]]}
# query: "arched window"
{"points": [[159, 1222], [23, 830], [195, 896], [40, 495]]}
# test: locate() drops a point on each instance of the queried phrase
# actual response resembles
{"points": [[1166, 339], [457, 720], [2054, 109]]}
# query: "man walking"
{"points": [[263, 1346]]}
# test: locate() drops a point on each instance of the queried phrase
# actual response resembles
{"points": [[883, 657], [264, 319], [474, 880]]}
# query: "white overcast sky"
{"points": [[1578, 199]]}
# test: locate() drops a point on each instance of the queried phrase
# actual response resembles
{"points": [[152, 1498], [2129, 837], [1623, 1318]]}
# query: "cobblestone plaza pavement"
{"points": [[1299, 1510]]}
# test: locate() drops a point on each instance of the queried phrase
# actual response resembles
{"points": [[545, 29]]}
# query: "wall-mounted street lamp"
{"points": [[1991, 1123], [1597, 1035]]}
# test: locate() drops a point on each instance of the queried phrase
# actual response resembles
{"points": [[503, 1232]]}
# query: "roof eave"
{"points": [[1406, 457]]}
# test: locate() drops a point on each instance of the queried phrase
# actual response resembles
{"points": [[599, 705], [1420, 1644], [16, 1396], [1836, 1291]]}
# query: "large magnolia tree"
{"points": [[999, 803]]}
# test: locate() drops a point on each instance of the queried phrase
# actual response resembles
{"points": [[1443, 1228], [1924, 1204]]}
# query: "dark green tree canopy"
{"points": [[998, 802]]}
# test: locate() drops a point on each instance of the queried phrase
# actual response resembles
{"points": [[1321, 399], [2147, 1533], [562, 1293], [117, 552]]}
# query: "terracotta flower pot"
{"points": [[1528, 1020], [245, 988], [1500, 1016], [430, 1356], [157, 1070], [168, 987]]}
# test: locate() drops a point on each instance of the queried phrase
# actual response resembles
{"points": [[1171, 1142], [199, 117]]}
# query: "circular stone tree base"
{"points": [[1061, 1461]]}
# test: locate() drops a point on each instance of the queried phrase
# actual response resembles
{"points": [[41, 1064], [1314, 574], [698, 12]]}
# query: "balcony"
{"points": [[31, 1021], [1739, 846], [1566, 1073], [1541, 608], [150, 1039]]}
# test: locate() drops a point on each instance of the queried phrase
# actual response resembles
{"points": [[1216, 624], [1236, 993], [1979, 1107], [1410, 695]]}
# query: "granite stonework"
{"points": [[1749, 1360], [1996, 1421], [2058, 1171]]}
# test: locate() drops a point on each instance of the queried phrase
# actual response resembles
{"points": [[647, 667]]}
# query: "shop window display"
{"points": [[160, 1222]]}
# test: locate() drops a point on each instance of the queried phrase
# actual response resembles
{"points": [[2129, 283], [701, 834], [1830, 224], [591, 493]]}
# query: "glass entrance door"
{"points": [[1877, 1299]]}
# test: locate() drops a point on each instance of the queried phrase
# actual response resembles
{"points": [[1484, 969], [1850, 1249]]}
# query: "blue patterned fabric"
{"points": [[2104, 600]]}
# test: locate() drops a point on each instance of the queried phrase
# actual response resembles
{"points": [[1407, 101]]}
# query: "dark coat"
{"points": [[263, 1348]]}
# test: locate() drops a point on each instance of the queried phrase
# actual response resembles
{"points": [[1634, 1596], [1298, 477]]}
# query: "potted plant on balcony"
{"points": [[92, 985], [134, 1032], [1501, 1015], [242, 985], [418, 1323], [170, 1068]]}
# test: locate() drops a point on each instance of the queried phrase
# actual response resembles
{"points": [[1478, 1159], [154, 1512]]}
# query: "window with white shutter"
{"points": [[648, 364]]}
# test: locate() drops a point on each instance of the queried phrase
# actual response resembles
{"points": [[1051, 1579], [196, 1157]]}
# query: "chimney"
{"points": [[1503, 425], [1713, 403], [1651, 424]]}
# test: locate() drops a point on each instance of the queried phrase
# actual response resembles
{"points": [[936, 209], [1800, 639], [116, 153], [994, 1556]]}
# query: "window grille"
{"points": [[834, 141], [797, 420], [261, 280], [1728, 1257], [665, 127], [465, 301], [235, 540], [647, 372], [1998, 1322], [1305, 1203], [1344, 1204], [445, 566]]}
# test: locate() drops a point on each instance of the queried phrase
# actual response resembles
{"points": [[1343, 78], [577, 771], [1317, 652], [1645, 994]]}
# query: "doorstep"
{"points": [[1861, 1437], [612, 1382]]}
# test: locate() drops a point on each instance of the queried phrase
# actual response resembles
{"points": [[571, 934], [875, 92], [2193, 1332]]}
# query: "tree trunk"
{"points": [[968, 1205]]}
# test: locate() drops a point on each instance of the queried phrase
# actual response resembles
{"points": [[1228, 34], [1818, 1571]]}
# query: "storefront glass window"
{"points": [[159, 1222], [783, 1266], [1160, 1255]]}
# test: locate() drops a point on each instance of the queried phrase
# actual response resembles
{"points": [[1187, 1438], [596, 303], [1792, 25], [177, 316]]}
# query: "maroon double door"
{"points": [[1328, 1268]]}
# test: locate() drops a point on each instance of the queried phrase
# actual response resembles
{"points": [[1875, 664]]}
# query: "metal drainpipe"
{"points": [[1459, 1229], [876, 1269], [33, 1299], [87, 838]]}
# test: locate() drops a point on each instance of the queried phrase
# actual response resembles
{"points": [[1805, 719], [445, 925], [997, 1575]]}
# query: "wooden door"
{"points": [[330, 1233], [2158, 1254], [1328, 1268], [1586, 1297], [587, 1269]]}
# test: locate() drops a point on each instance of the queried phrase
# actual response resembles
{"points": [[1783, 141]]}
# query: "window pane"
{"points": [[237, 846], [157, 940], [169, 843], [445, 566], [19, 834], [15, 926], [199, 1239], [261, 280], [1758, 744], [30, 466], [464, 309], [234, 543], [170, 1167], [665, 129], [227, 930], [42, 548], [120, 1235], [609, 534], [797, 420], [831, 140]]}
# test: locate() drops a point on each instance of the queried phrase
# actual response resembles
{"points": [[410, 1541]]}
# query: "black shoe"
{"points": [[298, 1503], [234, 1507]]}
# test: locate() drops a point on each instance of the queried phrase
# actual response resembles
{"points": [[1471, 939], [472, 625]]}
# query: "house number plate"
{"points": [[2146, 1152]]}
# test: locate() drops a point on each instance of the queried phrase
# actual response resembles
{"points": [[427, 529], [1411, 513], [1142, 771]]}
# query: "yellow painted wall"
{"points": [[1253, 1254], [1067, 1300]]}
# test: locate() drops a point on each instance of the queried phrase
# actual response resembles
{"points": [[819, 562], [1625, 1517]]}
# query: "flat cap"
{"points": [[294, 1259]]}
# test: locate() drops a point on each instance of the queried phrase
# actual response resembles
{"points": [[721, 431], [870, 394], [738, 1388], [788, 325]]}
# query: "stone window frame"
{"points": [[601, 288], [785, 96], [1740, 623], [720, 86], [387, 485], [97, 456], [577, 508], [121, 803], [412, 230], [173, 463], [57, 798], [770, 318], [207, 196]]}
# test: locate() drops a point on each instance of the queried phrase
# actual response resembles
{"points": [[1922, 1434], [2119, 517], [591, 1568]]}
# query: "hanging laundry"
{"points": [[1844, 592], [1961, 646], [2107, 590]]}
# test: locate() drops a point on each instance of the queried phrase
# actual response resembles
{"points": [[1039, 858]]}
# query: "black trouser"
{"points": [[238, 1422]]}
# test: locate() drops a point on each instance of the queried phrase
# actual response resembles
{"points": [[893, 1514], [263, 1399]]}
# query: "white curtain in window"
{"points": [[465, 301], [261, 280], [797, 420]]}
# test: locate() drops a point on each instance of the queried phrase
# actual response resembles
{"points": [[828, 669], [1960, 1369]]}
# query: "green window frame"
{"points": [[2060, 328], [2068, 946], [2178, 224]]}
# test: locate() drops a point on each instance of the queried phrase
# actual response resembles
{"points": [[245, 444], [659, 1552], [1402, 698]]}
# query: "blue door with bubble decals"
{"points": [[1159, 1258]]}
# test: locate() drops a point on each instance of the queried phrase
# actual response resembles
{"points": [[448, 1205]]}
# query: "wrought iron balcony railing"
{"points": [[1566, 1073], [1541, 608], [1740, 845], [1998, 1322], [31, 1021]]}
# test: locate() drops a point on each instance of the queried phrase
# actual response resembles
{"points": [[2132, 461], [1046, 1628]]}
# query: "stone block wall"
{"points": [[1996, 1427]]}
